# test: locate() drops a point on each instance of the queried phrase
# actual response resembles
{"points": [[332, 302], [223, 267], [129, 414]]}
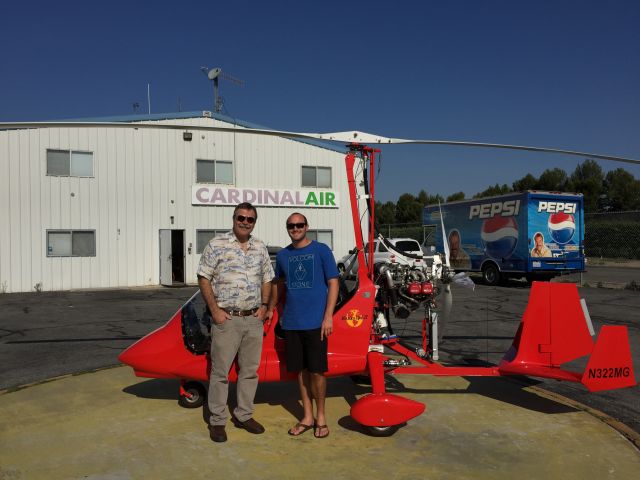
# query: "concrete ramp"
{"points": [[112, 425]]}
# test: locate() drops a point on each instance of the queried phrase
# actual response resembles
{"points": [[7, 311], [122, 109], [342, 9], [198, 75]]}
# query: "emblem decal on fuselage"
{"points": [[354, 318]]}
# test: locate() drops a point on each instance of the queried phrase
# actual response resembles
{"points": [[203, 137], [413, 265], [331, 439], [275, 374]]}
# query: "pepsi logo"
{"points": [[499, 236], [561, 226]]}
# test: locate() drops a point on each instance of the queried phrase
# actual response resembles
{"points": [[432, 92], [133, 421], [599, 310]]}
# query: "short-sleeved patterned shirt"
{"points": [[236, 276]]}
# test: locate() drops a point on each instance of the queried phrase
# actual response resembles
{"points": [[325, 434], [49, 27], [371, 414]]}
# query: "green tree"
{"points": [[554, 180], [528, 182], [588, 179], [423, 198], [492, 191], [385, 213], [454, 197], [622, 191], [408, 209]]}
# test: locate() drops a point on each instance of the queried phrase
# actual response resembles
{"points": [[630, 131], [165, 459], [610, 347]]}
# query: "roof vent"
{"points": [[206, 113]]}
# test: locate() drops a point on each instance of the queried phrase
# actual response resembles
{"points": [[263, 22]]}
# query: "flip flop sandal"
{"points": [[299, 425], [318, 428]]}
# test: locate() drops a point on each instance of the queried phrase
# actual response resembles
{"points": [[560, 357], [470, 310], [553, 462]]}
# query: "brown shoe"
{"points": [[250, 425], [217, 433]]}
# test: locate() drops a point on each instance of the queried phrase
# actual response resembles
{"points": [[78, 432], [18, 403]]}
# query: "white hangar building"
{"points": [[98, 207]]}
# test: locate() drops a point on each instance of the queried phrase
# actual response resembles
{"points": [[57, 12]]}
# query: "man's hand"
{"points": [[269, 315], [327, 327], [263, 314], [219, 316]]}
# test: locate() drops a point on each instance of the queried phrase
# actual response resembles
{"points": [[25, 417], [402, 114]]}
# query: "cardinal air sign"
{"points": [[263, 197]]}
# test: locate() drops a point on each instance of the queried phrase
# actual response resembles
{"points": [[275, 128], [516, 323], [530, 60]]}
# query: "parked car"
{"points": [[382, 254]]}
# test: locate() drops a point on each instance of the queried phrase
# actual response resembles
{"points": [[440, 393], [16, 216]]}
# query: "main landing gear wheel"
{"points": [[195, 396], [382, 431], [491, 274]]}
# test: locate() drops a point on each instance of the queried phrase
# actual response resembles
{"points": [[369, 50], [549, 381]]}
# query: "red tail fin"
{"points": [[610, 365], [553, 331]]}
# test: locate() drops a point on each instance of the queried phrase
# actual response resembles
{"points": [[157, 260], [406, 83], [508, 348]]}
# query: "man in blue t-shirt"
{"points": [[307, 278]]}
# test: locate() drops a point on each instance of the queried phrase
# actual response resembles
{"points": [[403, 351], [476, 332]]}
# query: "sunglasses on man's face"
{"points": [[242, 218], [291, 226]]}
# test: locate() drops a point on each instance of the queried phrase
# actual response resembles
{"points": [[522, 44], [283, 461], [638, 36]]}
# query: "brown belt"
{"points": [[240, 313]]}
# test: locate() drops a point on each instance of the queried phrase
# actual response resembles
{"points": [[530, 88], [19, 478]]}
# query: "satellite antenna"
{"points": [[214, 75]]}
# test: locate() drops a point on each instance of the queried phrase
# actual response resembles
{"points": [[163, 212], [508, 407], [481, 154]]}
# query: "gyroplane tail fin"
{"points": [[610, 364], [554, 331]]}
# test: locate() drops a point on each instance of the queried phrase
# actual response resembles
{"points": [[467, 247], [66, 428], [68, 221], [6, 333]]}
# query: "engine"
{"points": [[404, 288]]}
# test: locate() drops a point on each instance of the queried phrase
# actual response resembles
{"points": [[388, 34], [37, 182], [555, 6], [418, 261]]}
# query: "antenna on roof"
{"points": [[214, 74]]}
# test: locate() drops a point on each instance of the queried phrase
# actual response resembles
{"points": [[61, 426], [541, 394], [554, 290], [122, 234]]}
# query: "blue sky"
{"points": [[560, 74]]}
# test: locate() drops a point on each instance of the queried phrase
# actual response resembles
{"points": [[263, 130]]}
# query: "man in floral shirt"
{"points": [[234, 276]]}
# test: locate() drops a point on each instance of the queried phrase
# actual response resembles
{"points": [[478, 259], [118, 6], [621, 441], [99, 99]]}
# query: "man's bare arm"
{"points": [[332, 298], [219, 316]]}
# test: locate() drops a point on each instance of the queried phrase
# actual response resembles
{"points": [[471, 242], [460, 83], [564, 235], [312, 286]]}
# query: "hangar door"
{"points": [[171, 257]]}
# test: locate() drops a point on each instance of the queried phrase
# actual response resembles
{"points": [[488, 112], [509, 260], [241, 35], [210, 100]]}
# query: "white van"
{"points": [[382, 254]]}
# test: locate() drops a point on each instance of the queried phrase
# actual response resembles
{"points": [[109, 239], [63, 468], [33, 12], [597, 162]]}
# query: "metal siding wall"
{"points": [[136, 175], [5, 213], [127, 236], [24, 186], [38, 198], [17, 276], [38, 156]]}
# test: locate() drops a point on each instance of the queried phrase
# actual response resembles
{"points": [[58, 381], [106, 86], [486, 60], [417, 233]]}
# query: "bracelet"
{"points": [[265, 304]]}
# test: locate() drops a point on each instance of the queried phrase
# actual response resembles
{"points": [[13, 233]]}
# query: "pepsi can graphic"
{"points": [[499, 236], [561, 227]]}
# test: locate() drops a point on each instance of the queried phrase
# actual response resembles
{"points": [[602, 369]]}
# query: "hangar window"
{"points": [[71, 243], [321, 236], [203, 237], [214, 171], [316, 177], [69, 163]]}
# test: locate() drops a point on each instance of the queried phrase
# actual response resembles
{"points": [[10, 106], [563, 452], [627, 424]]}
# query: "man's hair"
{"points": [[298, 213], [245, 206], [538, 234]]}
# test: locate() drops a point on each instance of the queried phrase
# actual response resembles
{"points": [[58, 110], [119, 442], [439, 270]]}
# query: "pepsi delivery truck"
{"points": [[533, 234]]}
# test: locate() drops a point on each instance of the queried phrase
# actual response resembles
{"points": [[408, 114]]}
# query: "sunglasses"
{"points": [[242, 218], [291, 226]]}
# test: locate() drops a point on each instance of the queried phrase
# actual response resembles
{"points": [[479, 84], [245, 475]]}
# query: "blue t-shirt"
{"points": [[306, 272]]}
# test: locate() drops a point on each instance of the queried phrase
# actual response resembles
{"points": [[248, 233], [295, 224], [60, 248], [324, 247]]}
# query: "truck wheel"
{"points": [[491, 274]]}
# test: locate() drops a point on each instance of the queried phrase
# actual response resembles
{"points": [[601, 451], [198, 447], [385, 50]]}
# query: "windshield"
{"points": [[408, 246]]}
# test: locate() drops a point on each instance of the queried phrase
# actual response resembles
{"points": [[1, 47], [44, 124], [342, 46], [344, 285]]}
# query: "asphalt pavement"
{"points": [[46, 335]]}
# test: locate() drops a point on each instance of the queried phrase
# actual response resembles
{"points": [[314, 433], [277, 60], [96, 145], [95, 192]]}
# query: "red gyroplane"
{"points": [[553, 330]]}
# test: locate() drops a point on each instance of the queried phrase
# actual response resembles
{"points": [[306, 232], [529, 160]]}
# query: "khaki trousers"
{"points": [[241, 336]]}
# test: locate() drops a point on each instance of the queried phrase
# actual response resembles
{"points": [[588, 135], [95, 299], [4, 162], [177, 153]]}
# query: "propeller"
{"points": [[447, 295], [449, 277]]}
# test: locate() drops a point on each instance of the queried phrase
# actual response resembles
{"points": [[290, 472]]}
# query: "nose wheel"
{"points": [[192, 394], [382, 431]]}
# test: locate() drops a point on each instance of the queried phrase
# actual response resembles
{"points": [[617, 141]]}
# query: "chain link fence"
{"points": [[614, 235]]}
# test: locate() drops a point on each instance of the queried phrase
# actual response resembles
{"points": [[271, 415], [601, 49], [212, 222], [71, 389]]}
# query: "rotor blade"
{"points": [[161, 126], [353, 136], [518, 147], [444, 238]]}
